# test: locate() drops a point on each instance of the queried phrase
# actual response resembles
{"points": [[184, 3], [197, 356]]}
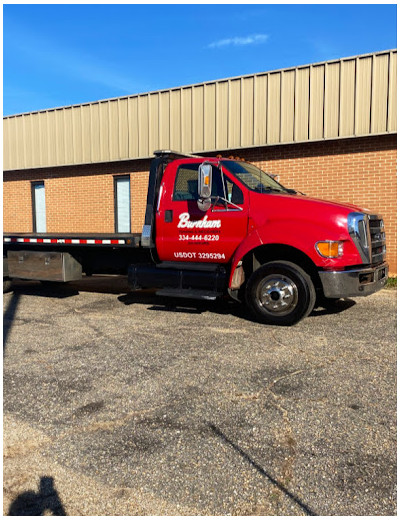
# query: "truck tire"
{"points": [[7, 285], [280, 293]]}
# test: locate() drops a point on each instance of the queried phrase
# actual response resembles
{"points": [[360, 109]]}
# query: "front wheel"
{"points": [[280, 293]]}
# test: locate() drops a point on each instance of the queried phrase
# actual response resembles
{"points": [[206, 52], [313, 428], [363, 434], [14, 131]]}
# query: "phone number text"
{"points": [[199, 238]]}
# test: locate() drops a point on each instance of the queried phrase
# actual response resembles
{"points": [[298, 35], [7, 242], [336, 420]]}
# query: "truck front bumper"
{"points": [[357, 282]]}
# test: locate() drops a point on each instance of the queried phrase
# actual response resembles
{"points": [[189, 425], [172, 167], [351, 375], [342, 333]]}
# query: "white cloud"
{"points": [[240, 40]]}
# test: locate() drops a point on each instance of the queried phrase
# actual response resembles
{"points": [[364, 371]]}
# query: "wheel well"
{"points": [[270, 252]]}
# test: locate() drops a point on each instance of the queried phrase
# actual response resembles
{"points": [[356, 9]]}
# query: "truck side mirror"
{"points": [[204, 186]]}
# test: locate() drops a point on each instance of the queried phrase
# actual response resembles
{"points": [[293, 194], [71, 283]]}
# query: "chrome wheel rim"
{"points": [[277, 294]]}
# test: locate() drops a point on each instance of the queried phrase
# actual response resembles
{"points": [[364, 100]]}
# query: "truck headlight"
{"points": [[329, 248]]}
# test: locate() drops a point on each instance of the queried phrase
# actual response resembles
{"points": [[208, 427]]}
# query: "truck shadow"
{"points": [[333, 308], [45, 289], [221, 306], [118, 285]]}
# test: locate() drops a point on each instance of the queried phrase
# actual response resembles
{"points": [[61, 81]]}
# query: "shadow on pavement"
{"points": [[184, 305], [31, 503], [333, 308], [119, 285], [261, 470], [44, 289], [8, 318]]}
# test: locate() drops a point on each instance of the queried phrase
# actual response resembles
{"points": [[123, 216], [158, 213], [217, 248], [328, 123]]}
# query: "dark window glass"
{"points": [[254, 178], [186, 182], [233, 192], [186, 185]]}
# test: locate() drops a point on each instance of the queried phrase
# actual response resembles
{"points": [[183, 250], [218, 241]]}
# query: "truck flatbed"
{"points": [[75, 239]]}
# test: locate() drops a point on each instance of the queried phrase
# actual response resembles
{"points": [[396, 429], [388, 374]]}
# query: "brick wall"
{"points": [[79, 199], [361, 171]]}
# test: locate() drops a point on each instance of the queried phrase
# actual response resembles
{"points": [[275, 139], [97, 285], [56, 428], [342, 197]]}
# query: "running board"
{"points": [[187, 281], [195, 294]]}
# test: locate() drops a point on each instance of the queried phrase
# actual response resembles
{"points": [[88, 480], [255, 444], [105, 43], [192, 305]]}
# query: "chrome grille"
{"points": [[378, 239], [368, 234]]}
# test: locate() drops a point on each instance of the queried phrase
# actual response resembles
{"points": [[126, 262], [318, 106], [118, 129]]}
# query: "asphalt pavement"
{"points": [[133, 404]]}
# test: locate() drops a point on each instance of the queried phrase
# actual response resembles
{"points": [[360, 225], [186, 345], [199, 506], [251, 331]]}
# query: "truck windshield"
{"points": [[254, 178]]}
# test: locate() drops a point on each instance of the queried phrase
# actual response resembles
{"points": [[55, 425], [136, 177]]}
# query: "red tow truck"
{"points": [[216, 226]]}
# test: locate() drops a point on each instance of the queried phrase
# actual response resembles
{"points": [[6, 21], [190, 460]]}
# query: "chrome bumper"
{"points": [[357, 282]]}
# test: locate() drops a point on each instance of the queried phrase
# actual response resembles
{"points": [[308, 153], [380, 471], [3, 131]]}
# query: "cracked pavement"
{"points": [[120, 404]]}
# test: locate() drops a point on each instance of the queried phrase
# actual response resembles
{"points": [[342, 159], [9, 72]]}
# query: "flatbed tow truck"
{"points": [[216, 226]]}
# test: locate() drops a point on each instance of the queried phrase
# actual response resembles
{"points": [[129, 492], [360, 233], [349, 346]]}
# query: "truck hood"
{"points": [[283, 207]]}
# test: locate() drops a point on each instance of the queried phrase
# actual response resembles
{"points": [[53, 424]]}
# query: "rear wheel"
{"points": [[280, 293]]}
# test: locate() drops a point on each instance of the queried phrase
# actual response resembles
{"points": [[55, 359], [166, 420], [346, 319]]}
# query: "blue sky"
{"points": [[57, 55]]}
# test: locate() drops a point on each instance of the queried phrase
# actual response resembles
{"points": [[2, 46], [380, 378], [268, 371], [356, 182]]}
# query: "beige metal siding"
{"points": [[363, 96], [392, 108], [164, 120], [247, 112], [222, 120], [209, 117], [332, 75], [302, 99], [77, 134], [113, 131], [347, 86], [317, 86], [26, 136], [69, 135], [287, 106], [143, 130], [7, 144], [86, 133], [123, 127], [274, 108], [175, 121], [15, 142], [186, 113], [260, 109], [342, 98], [153, 121], [234, 114], [198, 117], [95, 132], [379, 93]]}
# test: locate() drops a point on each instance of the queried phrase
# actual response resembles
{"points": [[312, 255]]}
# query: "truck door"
{"points": [[184, 232]]}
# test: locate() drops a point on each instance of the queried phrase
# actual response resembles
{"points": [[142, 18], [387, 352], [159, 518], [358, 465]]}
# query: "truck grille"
{"points": [[368, 234], [378, 239]]}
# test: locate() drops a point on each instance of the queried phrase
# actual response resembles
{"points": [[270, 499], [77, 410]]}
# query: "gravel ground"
{"points": [[120, 404]]}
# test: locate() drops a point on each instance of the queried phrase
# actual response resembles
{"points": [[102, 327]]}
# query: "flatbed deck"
{"points": [[75, 239]]}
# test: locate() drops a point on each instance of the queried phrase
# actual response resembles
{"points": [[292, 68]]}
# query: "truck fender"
{"points": [[283, 236], [252, 241]]}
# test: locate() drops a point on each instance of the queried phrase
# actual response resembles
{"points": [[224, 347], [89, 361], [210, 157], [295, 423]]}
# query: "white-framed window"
{"points": [[122, 204], [39, 207]]}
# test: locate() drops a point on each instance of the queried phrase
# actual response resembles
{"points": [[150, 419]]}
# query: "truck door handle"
{"points": [[168, 215]]}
